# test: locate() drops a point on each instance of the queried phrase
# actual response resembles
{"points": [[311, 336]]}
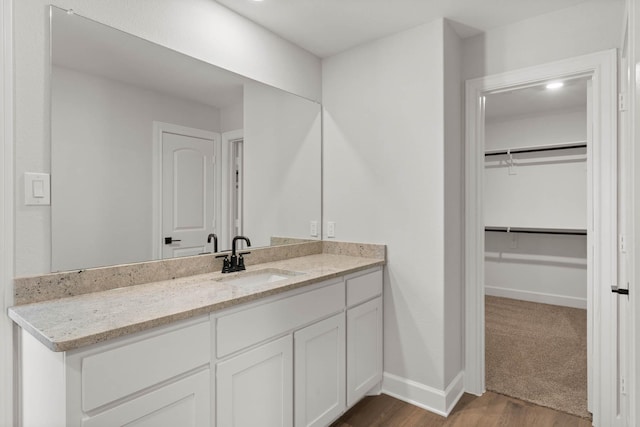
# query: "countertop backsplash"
{"points": [[52, 286]]}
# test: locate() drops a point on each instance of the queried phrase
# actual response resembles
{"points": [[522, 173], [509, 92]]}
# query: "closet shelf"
{"points": [[536, 148], [532, 230]]}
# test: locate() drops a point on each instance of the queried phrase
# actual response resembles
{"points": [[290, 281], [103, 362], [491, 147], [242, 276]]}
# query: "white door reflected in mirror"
{"points": [[191, 191]]}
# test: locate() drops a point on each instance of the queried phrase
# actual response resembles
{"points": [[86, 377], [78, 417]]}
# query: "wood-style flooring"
{"points": [[488, 410]]}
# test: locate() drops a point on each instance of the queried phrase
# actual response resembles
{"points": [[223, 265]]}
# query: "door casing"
{"points": [[602, 224]]}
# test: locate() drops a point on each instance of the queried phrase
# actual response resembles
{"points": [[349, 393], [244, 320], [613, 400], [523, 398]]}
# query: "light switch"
{"points": [[37, 188]]}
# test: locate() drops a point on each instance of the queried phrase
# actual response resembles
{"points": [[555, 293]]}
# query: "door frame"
{"points": [[602, 223], [633, 22], [9, 381], [228, 167], [626, 74], [156, 169]]}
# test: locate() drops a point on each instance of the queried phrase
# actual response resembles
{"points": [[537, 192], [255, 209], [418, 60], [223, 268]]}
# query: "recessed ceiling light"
{"points": [[555, 85]]}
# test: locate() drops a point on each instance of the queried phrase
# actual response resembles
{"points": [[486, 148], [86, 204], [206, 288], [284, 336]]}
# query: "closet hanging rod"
{"points": [[536, 231], [536, 149]]}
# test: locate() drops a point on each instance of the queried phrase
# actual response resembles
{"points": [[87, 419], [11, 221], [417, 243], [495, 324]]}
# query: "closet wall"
{"points": [[534, 191]]}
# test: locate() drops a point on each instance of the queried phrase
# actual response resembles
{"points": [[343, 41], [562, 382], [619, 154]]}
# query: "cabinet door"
{"points": [[364, 349], [182, 403], [320, 372], [255, 388]]}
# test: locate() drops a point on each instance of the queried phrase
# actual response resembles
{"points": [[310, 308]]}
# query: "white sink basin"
{"points": [[260, 277]]}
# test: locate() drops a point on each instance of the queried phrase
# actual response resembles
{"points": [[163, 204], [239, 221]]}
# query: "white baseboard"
{"points": [[440, 402], [536, 297]]}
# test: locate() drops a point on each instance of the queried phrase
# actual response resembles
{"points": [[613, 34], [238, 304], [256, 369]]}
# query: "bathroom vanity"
{"points": [[188, 150], [210, 349]]}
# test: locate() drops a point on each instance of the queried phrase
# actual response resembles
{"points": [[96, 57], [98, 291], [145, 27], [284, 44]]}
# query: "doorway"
{"points": [[600, 70], [232, 187], [237, 178], [535, 213]]}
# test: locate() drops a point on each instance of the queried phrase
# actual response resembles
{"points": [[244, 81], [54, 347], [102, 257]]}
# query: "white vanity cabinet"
{"points": [[256, 386], [156, 378], [286, 360], [298, 358], [364, 333]]}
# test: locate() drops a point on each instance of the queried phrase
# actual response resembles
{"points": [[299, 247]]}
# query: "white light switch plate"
{"points": [[37, 189], [331, 229]]}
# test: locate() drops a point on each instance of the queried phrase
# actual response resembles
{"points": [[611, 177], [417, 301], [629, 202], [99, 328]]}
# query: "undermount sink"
{"points": [[259, 277]]}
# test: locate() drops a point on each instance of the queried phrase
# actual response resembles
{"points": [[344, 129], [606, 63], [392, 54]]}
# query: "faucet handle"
{"points": [[226, 265], [240, 265]]}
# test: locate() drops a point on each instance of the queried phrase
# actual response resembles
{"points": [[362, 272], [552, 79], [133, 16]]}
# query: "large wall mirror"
{"points": [[153, 150]]}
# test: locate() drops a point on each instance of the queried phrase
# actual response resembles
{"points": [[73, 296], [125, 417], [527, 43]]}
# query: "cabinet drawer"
{"points": [[121, 371], [244, 328], [184, 403], [363, 286]]}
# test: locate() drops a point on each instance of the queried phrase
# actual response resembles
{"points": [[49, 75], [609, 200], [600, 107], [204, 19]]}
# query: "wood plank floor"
{"points": [[488, 410]]}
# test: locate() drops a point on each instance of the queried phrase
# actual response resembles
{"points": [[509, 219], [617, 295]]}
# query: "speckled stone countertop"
{"points": [[69, 323]]}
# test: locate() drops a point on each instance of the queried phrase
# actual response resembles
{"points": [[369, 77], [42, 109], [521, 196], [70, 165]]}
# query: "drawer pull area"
{"points": [[121, 371], [241, 329]]}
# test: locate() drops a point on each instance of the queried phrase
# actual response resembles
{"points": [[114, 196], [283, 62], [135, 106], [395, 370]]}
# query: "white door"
{"points": [[320, 372], [255, 388], [189, 193]]}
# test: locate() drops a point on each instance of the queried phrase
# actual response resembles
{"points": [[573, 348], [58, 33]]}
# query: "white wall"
{"points": [[589, 27], [102, 134], [200, 28], [454, 206], [551, 269], [282, 178], [384, 182], [546, 190], [542, 190], [536, 129], [232, 117]]}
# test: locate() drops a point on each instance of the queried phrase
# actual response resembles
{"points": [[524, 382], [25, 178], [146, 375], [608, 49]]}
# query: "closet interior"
{"points": [[536, 216]]}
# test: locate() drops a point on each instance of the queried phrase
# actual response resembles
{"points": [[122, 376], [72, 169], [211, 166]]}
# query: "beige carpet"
{"points": [[538, 353]]}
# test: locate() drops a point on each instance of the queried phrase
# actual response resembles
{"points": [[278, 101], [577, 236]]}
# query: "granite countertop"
{"points": [[69, 323]]}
